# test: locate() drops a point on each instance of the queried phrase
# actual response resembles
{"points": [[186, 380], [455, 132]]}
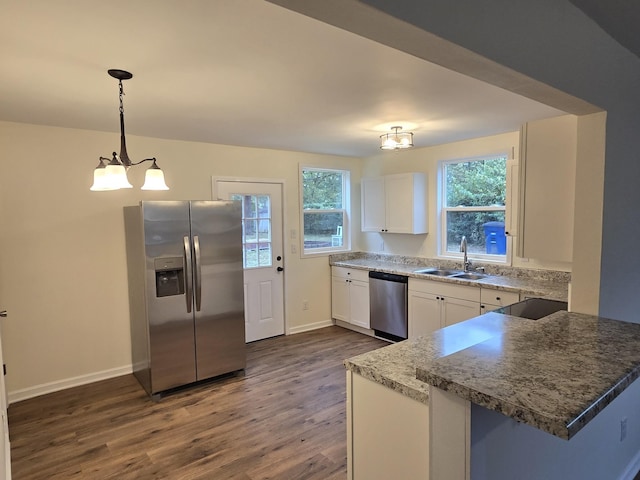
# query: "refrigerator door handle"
{"points": [[188, 278], [198, 276]]}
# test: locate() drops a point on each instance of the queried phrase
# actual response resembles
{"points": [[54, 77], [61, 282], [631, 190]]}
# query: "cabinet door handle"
{"points": [[498, 298]]}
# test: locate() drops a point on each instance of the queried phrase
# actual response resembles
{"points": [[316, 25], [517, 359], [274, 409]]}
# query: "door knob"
{"points": [[3, 313], [280, 269]]}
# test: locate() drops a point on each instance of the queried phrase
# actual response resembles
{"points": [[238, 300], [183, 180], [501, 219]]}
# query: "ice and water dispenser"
{"points": [[169, 276]]}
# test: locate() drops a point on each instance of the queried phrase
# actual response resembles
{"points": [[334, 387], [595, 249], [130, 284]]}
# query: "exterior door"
{"points": [[262, 255]]}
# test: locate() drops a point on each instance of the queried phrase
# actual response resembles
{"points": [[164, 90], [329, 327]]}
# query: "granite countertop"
{"points": [[393, 367], [535, 287], [556, 373]]}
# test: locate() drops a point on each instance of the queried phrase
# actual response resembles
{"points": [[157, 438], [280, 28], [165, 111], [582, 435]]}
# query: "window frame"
{"points": [[345, 210], [443, 210]]}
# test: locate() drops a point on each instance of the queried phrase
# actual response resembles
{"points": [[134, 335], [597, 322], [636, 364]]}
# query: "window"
{"points": [[473, 205], [256, 229], [325, 210]]}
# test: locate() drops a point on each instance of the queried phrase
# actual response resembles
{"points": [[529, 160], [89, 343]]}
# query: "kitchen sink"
{"points": [[469, 276], [438, 272]]}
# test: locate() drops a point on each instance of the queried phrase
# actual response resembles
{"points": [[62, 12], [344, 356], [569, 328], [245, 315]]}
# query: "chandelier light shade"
{"points": [[112, 175], [396, 139]]}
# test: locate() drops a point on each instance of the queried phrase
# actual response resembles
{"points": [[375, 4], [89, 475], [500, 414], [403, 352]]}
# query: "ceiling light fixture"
{"points": [[396, 140], [113, 175]]}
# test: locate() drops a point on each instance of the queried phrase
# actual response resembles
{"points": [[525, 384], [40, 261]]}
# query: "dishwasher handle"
{"points": [[390, 277]]}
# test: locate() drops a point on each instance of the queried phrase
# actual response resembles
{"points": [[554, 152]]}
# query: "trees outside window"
{"points": [[325, 209], [473, 205]]}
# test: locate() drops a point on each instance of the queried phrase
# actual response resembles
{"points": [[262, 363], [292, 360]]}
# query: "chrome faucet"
{"points": [[463, 248]]}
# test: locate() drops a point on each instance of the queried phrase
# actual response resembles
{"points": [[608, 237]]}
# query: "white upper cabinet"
{"points": [[395, 203], [513, 202], [547, 189]]}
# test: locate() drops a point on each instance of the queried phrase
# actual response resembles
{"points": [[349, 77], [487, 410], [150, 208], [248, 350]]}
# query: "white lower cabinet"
{"points": [[491, 299], [387, 433], [350, 295], [434, 305]]}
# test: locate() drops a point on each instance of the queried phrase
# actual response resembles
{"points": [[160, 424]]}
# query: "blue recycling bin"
{"points": [[495, 239]]}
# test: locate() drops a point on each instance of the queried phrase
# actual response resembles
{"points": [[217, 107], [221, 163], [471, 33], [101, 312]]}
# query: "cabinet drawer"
{"points": [[445, 289], [491, 296], [352, 273]]}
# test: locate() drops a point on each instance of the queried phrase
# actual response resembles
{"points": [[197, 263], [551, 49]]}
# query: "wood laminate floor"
{"points": [[283, 418]]}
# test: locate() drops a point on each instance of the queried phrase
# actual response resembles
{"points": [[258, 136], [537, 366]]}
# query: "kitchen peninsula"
{"points": [[499, 397]]}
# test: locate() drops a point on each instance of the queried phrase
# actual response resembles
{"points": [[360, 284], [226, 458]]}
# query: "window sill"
{"points": [[475, 259], [324, 253]]}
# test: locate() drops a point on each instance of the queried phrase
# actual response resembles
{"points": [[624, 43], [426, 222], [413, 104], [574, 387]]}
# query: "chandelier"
{"points": [[111, 174], [396, 139]]}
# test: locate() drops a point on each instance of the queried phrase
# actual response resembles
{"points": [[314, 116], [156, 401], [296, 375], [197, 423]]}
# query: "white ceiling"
{"points": [[237, 72]]}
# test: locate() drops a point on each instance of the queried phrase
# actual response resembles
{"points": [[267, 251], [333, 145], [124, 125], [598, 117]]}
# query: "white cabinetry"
{"points": [[350, 295], [395, 203], [434, 305], [387, 433], [548, 153], [513, 198], [490, 299]]}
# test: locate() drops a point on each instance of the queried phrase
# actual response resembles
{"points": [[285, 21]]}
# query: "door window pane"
{"points": [[256, 230], [264, 206]]}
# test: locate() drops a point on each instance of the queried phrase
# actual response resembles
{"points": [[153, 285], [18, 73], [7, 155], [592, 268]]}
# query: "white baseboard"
{"points": [[632, 469], [31, 392], [309, 326], [355, 328]]}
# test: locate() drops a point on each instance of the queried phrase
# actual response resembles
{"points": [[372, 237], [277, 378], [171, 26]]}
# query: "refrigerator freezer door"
{"points": [[171, 329], [219, 320]]}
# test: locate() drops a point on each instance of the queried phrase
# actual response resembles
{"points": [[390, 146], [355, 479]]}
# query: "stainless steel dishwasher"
{"points": [[388, 305]]}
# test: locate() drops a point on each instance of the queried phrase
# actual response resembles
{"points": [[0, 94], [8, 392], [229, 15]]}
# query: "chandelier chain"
{"points": [[121, 94]]}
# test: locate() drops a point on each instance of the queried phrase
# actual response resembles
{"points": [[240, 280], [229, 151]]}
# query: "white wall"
{"points": [[63, 269], [426, 160]]}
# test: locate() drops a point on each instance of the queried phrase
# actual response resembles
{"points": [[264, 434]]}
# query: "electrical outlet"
{"points": [[623, 429], [305, 304]]}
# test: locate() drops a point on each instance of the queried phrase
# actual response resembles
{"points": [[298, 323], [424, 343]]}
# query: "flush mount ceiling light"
{"points": [[396, 140], [113, 174]]}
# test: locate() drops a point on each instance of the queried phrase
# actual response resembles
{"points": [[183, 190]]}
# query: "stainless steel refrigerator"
{"points": [[186, 291]]}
